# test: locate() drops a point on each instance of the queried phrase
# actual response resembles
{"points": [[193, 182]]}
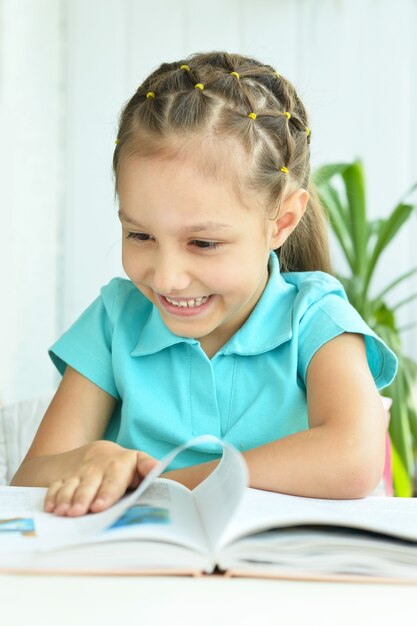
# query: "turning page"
{"points": [[219, 495]]}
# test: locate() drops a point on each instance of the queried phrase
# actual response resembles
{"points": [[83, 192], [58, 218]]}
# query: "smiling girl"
{"points": [[229, 323]]}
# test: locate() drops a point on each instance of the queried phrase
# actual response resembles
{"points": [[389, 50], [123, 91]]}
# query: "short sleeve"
{"points": [[87, 345], [331, 316]]}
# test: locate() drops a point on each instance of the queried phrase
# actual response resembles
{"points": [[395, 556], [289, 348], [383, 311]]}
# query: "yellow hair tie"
{"points": [[277, 75], [235, 74], [284, 169], [199, 86], [150, 94], [308, 131], [287, 115], [185, 67], [252, 115], [116, 142]]}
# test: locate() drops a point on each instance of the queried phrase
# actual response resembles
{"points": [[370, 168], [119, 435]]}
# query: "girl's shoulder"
{"points": [[314, 287], [320, 301]]}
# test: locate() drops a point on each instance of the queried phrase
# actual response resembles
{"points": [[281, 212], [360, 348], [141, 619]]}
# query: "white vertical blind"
{"points": [[67, 67]]}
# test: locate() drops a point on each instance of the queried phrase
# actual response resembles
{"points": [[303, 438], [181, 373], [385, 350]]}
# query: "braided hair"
{"points": [[226, 100]]}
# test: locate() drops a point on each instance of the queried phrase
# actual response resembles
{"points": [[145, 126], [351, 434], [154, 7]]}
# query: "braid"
{"points": [[231, 97]]}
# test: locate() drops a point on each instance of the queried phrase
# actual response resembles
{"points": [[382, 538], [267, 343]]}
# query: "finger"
{"points": [[85, 494], [145, 463], [50, 498], [65, 494], [112, 488]]}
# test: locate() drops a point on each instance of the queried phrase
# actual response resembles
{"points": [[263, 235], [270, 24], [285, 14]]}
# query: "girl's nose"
{"points": [[170, 275]]}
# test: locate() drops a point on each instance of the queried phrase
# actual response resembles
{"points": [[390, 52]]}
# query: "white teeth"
{"points": [[188, 303]]}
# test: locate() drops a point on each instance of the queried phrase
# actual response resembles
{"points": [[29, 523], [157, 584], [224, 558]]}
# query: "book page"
{"points": [[165, 511], [319, 550], [17, 524], [263, 510], [218, 496], [161, 533]]}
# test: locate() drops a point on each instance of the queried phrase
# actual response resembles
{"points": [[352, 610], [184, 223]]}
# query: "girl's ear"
{"points": [[290, 213]]}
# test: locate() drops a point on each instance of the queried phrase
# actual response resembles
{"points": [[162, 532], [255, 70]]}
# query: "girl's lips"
{"points": [[183, 311]]}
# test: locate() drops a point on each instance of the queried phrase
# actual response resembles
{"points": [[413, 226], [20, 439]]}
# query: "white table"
{"points": [[153, 601]]}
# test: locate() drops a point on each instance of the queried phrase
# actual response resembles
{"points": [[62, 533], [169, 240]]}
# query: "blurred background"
{"points": [[68, 66]]}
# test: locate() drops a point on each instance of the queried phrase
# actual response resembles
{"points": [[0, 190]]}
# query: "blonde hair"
{"points": [[219, 98]]}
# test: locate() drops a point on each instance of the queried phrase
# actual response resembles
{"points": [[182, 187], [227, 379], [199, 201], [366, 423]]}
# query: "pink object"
{"points": [[387, 478]]}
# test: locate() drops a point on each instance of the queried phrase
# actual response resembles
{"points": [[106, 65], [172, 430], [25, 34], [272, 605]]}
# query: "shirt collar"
{"points": [[268, 326], [155, 336]]}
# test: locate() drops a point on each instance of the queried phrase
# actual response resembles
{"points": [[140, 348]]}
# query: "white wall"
{"points": [[66, 68], [32, 189]]}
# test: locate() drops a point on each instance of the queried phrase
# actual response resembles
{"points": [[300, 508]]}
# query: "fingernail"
{"points": [[77, 506], [61, 508], [146, 465]]}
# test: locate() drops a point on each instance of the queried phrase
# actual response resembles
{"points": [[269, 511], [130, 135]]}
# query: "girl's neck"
{"points": [[211, 345]]}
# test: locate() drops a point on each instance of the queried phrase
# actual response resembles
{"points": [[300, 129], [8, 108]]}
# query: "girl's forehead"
{"points": [[175, 183], [220, 167], [183, 202]]}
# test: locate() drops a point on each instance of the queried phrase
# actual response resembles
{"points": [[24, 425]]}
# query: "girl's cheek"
{"points": [[131, 268]]}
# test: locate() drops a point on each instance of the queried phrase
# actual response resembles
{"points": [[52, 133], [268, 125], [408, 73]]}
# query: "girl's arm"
{"points": [[342, 454], [68, 455]]}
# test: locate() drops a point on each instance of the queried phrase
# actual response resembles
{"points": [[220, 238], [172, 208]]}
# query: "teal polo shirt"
{"points": [[252, 391]]}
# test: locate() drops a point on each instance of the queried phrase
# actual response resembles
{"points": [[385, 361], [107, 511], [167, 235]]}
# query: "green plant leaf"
{"points": [[336, 216], [407, 194], [389, 228], [410, 374], [396, 282], [403, 486], [399, 425], [397, 306], [384, 316], [355, 192], [324, 173]]}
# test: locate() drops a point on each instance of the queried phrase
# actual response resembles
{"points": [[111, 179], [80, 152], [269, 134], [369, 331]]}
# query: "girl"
{"points": [[230, 323]]}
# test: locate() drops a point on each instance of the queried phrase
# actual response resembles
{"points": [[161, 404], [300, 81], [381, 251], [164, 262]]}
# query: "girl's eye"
{"points": [[206, 245], [138, 236]]}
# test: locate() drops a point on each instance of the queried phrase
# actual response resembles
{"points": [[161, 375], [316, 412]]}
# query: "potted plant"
{"points": [[341, 188]]}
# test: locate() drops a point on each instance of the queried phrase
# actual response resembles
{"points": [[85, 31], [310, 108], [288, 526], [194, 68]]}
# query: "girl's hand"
{"points": [[104, 472]]}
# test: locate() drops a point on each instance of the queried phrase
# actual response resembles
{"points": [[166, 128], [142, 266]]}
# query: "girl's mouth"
{"points": [[185, 307]]}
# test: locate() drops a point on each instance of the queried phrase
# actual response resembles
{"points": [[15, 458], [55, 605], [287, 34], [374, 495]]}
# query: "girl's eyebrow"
{"points": [[205, 226], [202, 226]]}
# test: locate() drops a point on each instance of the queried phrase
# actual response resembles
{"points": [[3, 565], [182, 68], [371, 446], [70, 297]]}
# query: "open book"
{"points": [[221, 526]]}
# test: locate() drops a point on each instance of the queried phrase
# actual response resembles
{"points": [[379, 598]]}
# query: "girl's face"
{"points": [[192, 248]]}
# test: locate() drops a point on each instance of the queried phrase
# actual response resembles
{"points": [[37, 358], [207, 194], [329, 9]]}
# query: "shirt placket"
{"points": [[204, 409]]}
